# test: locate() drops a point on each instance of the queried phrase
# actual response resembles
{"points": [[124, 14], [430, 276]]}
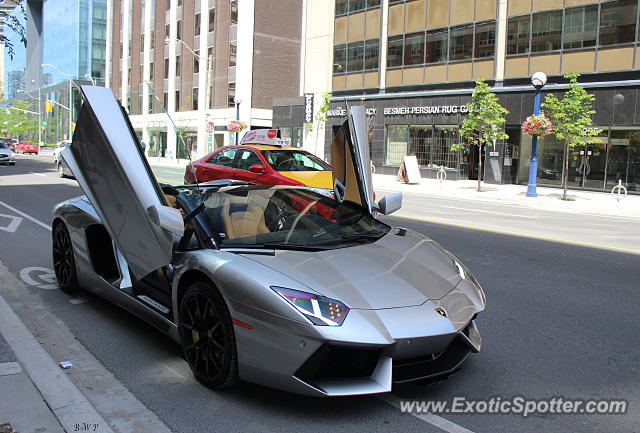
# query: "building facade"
{"points": [[412, 64], [205, 62]]}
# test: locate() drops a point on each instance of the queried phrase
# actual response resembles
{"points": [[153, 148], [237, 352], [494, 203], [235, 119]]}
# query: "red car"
{"points": [[27, 147], [261, 164]]}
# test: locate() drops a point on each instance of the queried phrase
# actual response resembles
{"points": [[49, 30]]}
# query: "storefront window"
{"points": [[546, 31], [618, 22], [430, 144], [461, 45], [580, 27], [624, 159], [436, 46]]}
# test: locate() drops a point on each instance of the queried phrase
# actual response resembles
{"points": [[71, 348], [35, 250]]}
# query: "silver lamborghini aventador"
{"points": [[281, 286]]}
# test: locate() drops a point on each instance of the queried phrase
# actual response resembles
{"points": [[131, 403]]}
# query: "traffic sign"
{"points": [[210, 126]]}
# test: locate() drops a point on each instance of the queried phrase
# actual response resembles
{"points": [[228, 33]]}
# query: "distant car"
{"points": [[27, 147], [7, 155], [59, 148], [9, 142], [261, 164]]}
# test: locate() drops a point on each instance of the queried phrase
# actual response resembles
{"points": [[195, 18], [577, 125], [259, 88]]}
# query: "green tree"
{"points": [[18, 120], [483, 124], [571, 118], [14, 21]]}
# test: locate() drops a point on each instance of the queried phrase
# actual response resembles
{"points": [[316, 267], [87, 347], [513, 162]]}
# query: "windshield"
{"points": [[294, 160], [258, 216], [4, 146]]}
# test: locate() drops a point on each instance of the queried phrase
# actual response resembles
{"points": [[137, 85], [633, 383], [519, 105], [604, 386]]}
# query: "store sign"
{"points": [[340, 112], [308, 107], [431, 109]]}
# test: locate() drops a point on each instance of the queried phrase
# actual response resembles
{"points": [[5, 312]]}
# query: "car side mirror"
{"points": [[257, 168], [390, 203], [167, 218]]}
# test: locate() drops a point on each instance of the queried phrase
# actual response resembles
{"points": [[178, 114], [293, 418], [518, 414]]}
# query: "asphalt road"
{"points": [[561, 320]]}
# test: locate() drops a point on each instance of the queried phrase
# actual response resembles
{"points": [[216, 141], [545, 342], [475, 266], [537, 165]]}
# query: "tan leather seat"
{"points": [[239, 224]]}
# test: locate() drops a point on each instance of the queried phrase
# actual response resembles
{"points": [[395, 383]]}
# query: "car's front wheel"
{"points": [[60, 170], [64, 264], [207, 336]]}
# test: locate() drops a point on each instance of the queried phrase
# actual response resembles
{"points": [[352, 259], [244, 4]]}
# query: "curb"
{"points": [[64, 399]]}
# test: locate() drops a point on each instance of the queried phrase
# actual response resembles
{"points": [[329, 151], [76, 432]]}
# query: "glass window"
{"points": [[177, 66], [194, 98], [177, 100], [356, 5], [414, 49], [234, 11], [394, 51], [397, 141], [436, 46], [342, 7], [151, 71], [165, 100], [580, 27], [166, 30], [294, 160], [153, 39], [461, 45], [355, 57], [231, 94], [618, 22], [339, 59], [371, 54], [197, 25], [166, 68], [485, 40], [518, 35], [224, 157], [246, 159], [212, 19], [233, 51], [179, 29], [196, 62], [373, 3], [546, 31]]}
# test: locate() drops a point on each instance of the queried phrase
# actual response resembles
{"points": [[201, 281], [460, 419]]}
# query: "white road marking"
{"points": [[13, 225], [80, 300], [29, 217], [38, 174], [46, 276], [434, 420], [492, 212]]}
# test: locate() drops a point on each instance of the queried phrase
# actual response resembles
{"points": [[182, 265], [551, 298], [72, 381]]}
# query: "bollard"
{"points": [[619, 192], [441, 175]]}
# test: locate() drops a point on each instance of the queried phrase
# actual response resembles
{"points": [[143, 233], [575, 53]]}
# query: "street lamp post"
{"points": [[237, 101], [70, 97], [208, 69], [538, 80], [39, 110]]}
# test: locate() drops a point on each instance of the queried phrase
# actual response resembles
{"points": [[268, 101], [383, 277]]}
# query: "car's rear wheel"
{"points": [[64, 264], [207, 337]]}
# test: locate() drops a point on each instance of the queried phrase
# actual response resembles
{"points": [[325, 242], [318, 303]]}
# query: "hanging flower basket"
{"points": [[236, 126], [539, 125]]}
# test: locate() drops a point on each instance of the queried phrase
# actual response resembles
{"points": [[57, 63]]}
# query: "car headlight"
{"points": [[320, 310]]}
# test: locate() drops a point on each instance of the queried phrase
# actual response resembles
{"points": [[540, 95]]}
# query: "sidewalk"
{"points": [[547, 199], [37, 396]]}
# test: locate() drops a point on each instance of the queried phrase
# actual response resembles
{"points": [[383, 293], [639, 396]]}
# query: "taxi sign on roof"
{"points": [[264, 136]]}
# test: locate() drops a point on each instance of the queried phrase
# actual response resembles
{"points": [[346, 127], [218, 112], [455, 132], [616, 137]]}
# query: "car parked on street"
{"points": [[264, 164], [7, 155], [253, 285], [9, 142], [27, 147], [59, 148]]}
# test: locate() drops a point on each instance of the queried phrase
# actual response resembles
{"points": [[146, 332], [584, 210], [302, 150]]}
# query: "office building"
{"points": [[412, 64]]}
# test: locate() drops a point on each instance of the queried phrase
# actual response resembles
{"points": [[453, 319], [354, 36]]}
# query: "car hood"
{"points": [[395, 271]]}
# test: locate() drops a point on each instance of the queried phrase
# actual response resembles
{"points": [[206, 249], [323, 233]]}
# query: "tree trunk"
{"points": [[479, 167], [565, 169]]}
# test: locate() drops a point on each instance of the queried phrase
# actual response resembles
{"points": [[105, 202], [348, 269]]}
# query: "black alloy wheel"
{"points": [[64, 263], [207, 337]]}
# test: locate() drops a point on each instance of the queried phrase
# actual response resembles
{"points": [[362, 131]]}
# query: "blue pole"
{"points": [[533, 163], [237, 118]]}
